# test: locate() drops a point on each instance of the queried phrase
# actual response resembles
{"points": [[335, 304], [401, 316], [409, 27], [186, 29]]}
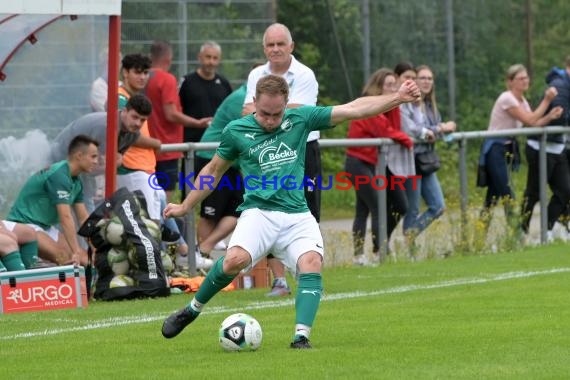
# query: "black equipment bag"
{"points": [[145, 269]]}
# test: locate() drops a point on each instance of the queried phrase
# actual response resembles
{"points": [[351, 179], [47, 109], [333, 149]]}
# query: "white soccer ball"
{"points": [[152, 228], [120, 281], [102, 225], [143, 212], [114, 231], [167, 263], [118, 261], [240, 332]]}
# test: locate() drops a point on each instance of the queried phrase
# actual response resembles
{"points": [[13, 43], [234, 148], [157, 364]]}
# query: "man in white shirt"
{"points": [[278, 46]]}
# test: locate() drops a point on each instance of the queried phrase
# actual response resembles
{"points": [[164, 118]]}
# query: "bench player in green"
{"points": [[51, 196], [270, 145]]}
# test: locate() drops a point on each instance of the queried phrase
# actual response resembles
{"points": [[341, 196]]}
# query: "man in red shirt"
{"points": [[167, 121]]}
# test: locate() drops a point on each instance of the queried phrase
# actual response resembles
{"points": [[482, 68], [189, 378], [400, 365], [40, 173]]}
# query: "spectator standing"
{"points": [[278, 47], [428, 186], [500, 155], [557, 168], [138, 162], [564, 74], [201, 93], [272, 219], [362, 161], [203, 90], [220, 207], [167, 120]]}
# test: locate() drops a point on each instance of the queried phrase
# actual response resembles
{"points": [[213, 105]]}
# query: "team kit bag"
{"points": [[127, 243]]}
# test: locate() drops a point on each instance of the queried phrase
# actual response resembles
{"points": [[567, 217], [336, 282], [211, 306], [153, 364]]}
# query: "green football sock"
{"points": [[29, 252], [215, 281], [13, 261], [308, 298], [2, 267]]}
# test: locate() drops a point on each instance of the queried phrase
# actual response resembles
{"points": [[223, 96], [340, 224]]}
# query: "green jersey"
{"points": [[228, 111], [42, 192], [273, 163]]}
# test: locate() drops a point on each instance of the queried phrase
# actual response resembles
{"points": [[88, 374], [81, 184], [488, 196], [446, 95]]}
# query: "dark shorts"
{"points": [[170, 170], [227, 196], [313, 170]]}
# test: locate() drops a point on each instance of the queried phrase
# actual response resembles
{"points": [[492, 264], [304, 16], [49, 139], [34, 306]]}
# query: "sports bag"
{"points": [[127, 244]]}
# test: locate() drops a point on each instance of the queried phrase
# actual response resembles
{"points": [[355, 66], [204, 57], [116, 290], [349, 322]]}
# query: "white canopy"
{"points": [[62, 7], [23, 18]]}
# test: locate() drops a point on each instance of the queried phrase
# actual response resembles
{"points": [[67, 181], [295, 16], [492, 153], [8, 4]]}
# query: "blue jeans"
{"points": [[429, 189]]}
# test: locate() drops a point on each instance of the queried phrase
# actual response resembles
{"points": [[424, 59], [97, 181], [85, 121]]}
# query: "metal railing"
{"points": [[460, 138]]}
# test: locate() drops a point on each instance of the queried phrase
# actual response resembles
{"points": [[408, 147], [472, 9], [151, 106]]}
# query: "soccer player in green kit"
{"points": [[270, 145]]}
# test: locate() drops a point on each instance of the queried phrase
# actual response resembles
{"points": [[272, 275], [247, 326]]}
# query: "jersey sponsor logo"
{"points": [[63, 194], [264, 144], [271, 158]]}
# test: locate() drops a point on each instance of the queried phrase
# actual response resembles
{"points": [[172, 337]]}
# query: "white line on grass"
{"points": [[128, 320]]}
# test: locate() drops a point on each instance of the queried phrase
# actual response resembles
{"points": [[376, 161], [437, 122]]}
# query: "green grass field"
{"points": [[501, 316]]}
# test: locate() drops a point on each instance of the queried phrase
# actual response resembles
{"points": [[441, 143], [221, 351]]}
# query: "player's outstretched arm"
{"points": [[368, 106], [214, 169]]}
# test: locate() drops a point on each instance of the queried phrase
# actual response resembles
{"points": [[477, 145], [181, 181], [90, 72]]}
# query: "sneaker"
{"points": [[176, 322], [301, 343], [168, 236], [278, 290], [220, 246], [360, 260], [203, 262], [560, 232], [549, 237]]}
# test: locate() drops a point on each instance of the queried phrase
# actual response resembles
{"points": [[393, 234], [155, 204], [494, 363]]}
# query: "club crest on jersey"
{"points": [[271, 158], [62, 194], [286, 125]]}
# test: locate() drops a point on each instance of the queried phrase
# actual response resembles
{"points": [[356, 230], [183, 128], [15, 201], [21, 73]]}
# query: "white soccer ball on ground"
{"points": [[114, 231], [240, 332], [120, 281], [118, 261], [167, 263]]}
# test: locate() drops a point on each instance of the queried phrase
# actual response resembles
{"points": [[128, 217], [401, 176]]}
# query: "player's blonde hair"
{"points": [[272, 85]]}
